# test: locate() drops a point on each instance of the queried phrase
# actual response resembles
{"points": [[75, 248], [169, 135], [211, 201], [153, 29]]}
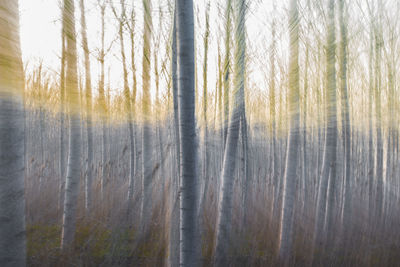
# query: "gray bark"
{"points": [[175, 223], [12, 165], [345, 119], [62, 121], [187, 129], [146, 110], [88, 89], [227, 67], [289, 186], [224, 219], [329, 161]]}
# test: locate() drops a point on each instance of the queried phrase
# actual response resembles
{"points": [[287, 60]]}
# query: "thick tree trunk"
{"points": [[12, 166], [187, 128]]}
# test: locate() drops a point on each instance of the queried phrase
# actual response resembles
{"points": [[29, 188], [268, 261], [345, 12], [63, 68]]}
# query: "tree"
{"points": [[224, 219], [73, 167], [88, 89], [176, 180], [146, 110], [187, 131], [204, 111], [345, 118], [102, 98], [127, 98], [62, 117], [289, 186], [12, 165], [227, 67], [328, 175]]}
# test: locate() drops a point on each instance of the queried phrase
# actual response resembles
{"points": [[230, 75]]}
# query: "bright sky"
{"points": [[40, 36]]}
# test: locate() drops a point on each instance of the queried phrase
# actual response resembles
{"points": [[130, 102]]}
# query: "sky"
{"points": [[41, 30]]}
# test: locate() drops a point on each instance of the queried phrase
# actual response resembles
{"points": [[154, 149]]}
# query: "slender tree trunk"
{"points": [[74, 160], [379, 140], [205, 173], [187, 127], [329, 161], [103, 104], [62, 121], [227, 67], [371, 162], [289, 187], [345, 121], [224, 219], [12, 166], [132, 128], [88, 89], [146, 110]]}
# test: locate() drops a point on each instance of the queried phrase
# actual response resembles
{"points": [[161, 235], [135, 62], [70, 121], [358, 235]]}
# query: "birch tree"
{"points": [[12, 165], [73, 167], [146, 110], [328, 176], [345, 116], [224, 217], [62, 116], [88, 89], [187, 131], [289, 186], [127, 98]]}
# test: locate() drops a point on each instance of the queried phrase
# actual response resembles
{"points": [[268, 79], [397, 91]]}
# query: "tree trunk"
{"points": [[289, 187], [146, 110], [175, 182], [12, 166], [227, 67], [74, 160], [103, 104], [329, 161], [88, 89], [224, 219], [187, 129], [62, 119], [345, 121]]}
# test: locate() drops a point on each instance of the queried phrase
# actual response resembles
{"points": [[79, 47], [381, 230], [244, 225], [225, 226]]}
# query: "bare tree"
{"points": [[289, 186], [187, 131], [224, 219], [328, 175], [73, 167], [12, 167], [88, 89]]}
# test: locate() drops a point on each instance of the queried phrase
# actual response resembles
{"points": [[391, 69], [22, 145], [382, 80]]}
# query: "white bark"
{"points": [[74, 160], [328, 175], [224, 219], [289, 186]]}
